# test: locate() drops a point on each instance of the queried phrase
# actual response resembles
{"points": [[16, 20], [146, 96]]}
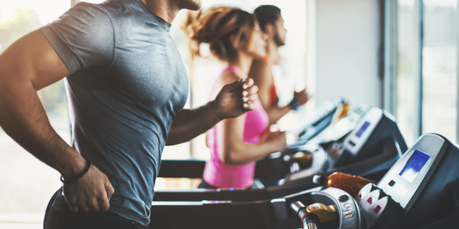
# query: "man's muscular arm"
{"points": [[233, 100], [27, 66]]}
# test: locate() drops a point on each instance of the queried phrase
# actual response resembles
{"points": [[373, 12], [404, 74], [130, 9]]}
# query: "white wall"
{"points": [[346, 50]]}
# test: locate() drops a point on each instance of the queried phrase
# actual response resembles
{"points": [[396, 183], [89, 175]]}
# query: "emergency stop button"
{"points": [[343, 198]]}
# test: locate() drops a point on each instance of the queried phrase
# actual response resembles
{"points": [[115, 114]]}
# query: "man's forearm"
{"points": [[275, 113], [233, 100], [23, 118], [189, 123]]}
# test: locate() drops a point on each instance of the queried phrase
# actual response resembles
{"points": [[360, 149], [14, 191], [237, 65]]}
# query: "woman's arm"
{"points": [[232, 149]]}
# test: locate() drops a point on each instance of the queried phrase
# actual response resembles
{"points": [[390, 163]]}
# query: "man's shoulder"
{"points": [[109, 15], [125, 14], [87, 13], [112, 9]]}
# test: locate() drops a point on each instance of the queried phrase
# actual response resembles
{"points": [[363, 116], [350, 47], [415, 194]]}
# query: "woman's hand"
{"points": [[277, 138]]}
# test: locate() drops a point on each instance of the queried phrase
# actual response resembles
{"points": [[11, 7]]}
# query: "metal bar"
{"points": [[418, 64], [310, 65], [421, 64], [457, 72], [390, 57]]}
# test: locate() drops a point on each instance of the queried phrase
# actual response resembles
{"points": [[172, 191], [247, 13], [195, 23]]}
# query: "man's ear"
{"points": [[269, 30]]}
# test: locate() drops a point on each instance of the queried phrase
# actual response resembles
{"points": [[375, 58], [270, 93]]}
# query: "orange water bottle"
{"points": [[349, 183]]}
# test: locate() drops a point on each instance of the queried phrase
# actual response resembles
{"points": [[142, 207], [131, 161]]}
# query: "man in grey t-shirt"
{"points": [[127, 86]]}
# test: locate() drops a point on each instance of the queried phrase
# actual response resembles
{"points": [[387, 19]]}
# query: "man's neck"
{"points": [[166, 10], [273, 55]]}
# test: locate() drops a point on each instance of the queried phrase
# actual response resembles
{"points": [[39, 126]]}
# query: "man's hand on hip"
{"points": [[91, 192]]}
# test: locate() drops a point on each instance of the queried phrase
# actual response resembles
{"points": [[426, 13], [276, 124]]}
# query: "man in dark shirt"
{"points": [[127, 86]]}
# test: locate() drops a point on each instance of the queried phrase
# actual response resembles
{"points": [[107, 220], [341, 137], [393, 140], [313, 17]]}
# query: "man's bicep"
{"points": [[181, 118], [32, 58], [176, 131]]}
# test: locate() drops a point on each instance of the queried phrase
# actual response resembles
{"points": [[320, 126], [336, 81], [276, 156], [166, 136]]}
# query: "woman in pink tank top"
{"points": [[234, 37]]}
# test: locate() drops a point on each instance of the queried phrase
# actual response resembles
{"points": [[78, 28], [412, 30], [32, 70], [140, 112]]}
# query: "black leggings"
{"points": [[59, 216], [204, 184]]}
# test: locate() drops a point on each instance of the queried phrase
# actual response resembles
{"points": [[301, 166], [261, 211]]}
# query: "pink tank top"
{"points": [[219, 174]]}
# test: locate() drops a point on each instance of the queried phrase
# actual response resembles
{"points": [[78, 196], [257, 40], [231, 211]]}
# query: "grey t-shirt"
{"points": [[126, 85]]}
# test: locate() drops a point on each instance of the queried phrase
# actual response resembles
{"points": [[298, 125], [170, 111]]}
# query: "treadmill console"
{"points": [[417, 184], [357, 138], [312, 126], [365, 140]]}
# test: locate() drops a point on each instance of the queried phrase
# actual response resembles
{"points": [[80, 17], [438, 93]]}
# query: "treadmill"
{"points": [[276, 166], [309, 128], [327, 111], [421, 190], [369, 150]]}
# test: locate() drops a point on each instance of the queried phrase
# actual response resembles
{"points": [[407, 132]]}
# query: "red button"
{"points": [[370, 200], [377, 208]]}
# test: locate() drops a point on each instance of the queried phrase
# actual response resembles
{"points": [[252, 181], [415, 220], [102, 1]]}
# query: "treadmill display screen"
{"points": [[414, 165], [362, 129]]}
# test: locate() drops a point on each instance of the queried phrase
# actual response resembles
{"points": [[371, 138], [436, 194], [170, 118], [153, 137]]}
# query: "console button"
{"points": [[370, 200], [377, 209], [348, 215], [347, 206], [343, 198], [391, 183]]}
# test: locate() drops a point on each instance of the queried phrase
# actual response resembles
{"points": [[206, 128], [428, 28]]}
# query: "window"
{"points": [[406, 73], [439, 87], [425, 80]]}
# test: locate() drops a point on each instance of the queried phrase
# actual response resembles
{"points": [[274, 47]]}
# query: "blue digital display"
{"points": [[414, 165], [362, 129]]}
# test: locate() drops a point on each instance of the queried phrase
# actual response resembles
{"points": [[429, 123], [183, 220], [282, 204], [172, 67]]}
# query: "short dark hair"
{"points": [[266, 14]]}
